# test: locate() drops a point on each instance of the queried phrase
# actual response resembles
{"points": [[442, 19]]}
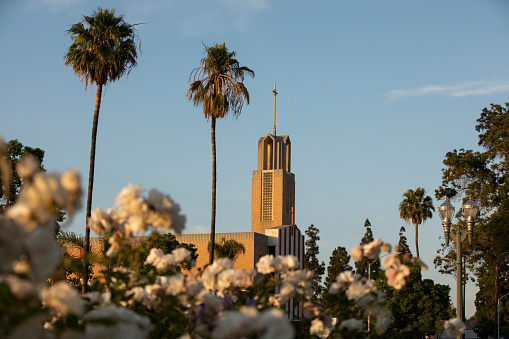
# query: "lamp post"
{"points": [[498, 315], [446, 212]]}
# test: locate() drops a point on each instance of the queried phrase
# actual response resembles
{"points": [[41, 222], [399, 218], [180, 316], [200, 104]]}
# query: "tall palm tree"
{"points": [[102, 51], [218, 86], [416, 208]]}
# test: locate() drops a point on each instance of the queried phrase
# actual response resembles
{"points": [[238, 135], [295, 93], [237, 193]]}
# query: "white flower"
{"points": [[135, 224], [11, 242], [356, 253], [62, 298], [70, 181], [27, 166], [155, 255], [290, 261], [50, 191], [22, 214], [391, 260], [128, 324], [269, 264], [454, 327], [181, 254], [164, 212], [20, 288], [372, 250], [236, 324], [244, 278], [194, 287], [128, 194], [396, 276], [343, 280], [165, 262], [274, 324], [319, 329], [225, 279], [100, 221], [359, 289], [310, 310], [212, 300], [43, 253], [175, 284]]}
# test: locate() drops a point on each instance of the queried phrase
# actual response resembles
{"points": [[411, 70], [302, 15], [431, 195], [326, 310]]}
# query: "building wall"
{"points": [[256, 247], [283, 200]]}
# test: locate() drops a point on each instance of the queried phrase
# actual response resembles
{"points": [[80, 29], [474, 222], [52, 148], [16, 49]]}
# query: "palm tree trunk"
{"points": [[213, 214], [417, 240], [86, 250]]}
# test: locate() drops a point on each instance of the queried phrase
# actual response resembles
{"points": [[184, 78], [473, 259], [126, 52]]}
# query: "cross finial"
{"points": [[275, 93]]}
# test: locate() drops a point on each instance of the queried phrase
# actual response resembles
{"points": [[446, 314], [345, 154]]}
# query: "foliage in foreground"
{"points": [[162, 302]]}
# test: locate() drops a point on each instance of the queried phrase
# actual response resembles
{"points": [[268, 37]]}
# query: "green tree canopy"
{"points": [[217, 85], [230, 249], [311, 262], [339, 262], [14, 151], [484, 176], [417, 309]]}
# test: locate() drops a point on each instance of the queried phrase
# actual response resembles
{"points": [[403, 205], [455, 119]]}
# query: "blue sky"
{"points": [[373, 94]]}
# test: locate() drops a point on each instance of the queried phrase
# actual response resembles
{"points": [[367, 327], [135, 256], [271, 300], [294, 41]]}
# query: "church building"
{"points": [[273, 229]]}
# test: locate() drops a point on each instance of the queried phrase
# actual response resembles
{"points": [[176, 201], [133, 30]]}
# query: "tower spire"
{"points": [[275, 93]]}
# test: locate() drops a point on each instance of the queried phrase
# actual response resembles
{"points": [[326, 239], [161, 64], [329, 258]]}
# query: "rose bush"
{"points": [[160, 301]]}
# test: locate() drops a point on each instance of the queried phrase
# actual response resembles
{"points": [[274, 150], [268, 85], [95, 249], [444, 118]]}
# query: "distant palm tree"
{"points": [[416, 209], [103, 50], [230, 249], [218, 86]]}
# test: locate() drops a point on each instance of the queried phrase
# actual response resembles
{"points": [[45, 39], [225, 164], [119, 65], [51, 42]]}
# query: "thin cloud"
{"points": [[195, 18], [458, 90]]}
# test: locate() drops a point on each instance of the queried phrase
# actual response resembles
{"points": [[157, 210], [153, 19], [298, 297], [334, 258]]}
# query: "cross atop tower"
{"points": [[275, 93]]}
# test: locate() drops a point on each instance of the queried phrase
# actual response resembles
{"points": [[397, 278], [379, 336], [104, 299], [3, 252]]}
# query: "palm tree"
{"points": [[230, 249], [103, 50], [217, 86], [416, 208]]}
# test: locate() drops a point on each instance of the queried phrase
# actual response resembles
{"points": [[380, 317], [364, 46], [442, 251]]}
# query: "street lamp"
{"points": [[498, 314], [446, 212]]}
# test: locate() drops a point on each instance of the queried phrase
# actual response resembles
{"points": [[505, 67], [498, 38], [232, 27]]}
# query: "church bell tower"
{"points": [[273, 190]]}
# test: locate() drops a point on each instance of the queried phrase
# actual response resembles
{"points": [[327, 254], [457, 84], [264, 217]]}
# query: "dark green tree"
{"points": [[417, 309], [230, 249], [484, 176], [103, 49], [14, 152], [363, 265], [416, 208], [311, 262], [403, 247], [338, 262], [217, 85]]}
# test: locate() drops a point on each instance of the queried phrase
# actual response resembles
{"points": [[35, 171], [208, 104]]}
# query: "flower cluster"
{"points": [[364, 294], [42, 194], [135, 214]]}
